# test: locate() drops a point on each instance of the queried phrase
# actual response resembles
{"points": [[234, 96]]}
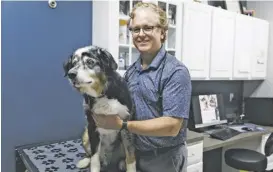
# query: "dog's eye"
{"points": [[74, 62], [89, 62]]}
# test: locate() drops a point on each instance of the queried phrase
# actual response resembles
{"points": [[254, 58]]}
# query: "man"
{"points": [[160, 86]]}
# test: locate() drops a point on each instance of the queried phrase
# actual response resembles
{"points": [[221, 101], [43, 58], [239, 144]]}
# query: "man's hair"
{"points": [[162, 17]]}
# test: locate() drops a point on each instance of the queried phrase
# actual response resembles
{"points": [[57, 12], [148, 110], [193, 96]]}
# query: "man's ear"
{"points": [[67, 65], [107, 59]]}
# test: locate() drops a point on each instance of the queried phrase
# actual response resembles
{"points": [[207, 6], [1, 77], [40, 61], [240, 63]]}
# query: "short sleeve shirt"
{"points": [[174, 79]]}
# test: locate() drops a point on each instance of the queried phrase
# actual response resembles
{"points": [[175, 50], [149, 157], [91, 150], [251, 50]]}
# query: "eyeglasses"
{"points": [[146, 30]]}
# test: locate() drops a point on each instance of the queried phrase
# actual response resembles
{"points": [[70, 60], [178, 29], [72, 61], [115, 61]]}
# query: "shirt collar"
{"points": [[156, 61]]}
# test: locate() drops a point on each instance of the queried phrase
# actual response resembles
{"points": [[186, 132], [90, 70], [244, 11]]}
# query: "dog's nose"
{"points": [[72, 75]]}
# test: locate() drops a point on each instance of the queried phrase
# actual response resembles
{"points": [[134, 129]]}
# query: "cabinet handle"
{"points": [[191, 155], [260, 62], [243, 71]]}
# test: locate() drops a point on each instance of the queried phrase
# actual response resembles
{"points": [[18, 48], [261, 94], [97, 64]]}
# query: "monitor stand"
{"points": [[210, 129]]}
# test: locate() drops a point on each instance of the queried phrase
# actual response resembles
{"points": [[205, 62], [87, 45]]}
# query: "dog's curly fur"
{"points": [[92, 71]]}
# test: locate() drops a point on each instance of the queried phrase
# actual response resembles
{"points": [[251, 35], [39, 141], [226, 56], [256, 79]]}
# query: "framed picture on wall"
{"points": [[235, 6]]}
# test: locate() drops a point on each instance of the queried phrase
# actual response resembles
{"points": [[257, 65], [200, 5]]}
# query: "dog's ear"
{"points": [[107, 59], [67, 65]]}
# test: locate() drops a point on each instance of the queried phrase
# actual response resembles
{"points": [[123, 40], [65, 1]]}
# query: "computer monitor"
{"points": [[206, 110]]}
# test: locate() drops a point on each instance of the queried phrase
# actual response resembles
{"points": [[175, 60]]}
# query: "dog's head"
{"points": [[87, 69]]}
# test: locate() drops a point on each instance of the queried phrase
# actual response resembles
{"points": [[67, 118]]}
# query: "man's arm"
{"points": [[162, 126], [176, 104]]}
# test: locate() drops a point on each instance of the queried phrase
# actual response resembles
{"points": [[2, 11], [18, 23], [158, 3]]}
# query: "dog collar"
{"points": [[101, 95], [86, 96]]}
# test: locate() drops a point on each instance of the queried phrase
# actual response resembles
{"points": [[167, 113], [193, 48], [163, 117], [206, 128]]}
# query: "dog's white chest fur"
{"points": [[105, 106]]}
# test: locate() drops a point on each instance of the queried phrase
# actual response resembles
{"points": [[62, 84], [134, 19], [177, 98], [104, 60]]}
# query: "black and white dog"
{"points": [[92, 71]]}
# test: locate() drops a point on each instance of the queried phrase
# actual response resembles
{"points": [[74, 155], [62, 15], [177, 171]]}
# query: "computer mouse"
{"points": [[246, 128]]}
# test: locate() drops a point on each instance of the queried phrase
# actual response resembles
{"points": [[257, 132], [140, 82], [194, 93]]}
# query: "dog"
{"points": [[91, 70]]}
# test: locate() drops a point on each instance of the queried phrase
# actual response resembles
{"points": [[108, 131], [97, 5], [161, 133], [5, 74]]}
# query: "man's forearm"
{"points": [[163, 126]]}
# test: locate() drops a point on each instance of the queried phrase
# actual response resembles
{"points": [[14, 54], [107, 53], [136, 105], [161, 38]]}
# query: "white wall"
{"points": [[263, 10]]}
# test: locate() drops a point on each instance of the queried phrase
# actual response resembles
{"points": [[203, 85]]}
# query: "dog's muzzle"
{"points": [[76, 83], [73, 78]]}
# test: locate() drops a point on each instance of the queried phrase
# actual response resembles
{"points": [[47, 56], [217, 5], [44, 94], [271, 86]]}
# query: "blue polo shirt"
{"points": [[176, 94]]}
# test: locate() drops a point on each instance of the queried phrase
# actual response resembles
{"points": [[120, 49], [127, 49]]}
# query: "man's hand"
{"points": [[108, 121]]}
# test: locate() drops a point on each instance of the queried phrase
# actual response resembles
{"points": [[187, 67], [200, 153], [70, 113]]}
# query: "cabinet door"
{"points": [[195, 153], [222, 44], [173, 9], [260, 48], [196, 39], [242, 47]]}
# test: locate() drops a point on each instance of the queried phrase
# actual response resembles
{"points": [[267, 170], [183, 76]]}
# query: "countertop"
{"points": [[211, 143], [194, 137]]}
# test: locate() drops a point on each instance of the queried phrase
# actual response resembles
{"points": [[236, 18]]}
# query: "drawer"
{"points": [[270, 159], [195, 153], [263, 141], [195, 167], [269, 166]]}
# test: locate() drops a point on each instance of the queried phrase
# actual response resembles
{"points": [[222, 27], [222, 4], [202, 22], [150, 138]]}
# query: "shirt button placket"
{"points": [[138, 79]]}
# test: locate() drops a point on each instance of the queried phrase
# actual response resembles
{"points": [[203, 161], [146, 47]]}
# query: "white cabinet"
{"points": [[195, 153], [196, 39], [242, 47], [251, 48], [222, 44], [195, 157], [214, 44], [260, 48], [265, 89]]}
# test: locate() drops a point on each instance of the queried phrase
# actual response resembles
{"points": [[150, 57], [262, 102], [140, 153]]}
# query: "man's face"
{"points": [[146, 32]]}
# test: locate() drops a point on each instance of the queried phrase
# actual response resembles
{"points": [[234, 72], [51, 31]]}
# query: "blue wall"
{"points": [[37, 102]]}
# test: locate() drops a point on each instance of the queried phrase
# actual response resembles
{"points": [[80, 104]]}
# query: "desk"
{"points": [[211, 143], [213, 149]]}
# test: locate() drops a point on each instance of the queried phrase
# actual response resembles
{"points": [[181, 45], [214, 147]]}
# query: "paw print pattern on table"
{"points": [[48, 162], [49, 146], [38, 152], [56, 150], [81, 155], [68, 145], [71, 166], [73, 150], [67, 160], [51, 169], [61, 156], [40, 157]]}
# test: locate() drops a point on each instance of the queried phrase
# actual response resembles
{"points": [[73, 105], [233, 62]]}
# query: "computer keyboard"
{"points": [[224, 134]]}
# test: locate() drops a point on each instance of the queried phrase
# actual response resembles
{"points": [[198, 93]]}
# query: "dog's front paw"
{"points": [[94, 169], [83, 163], [95, 163], [131, 167]]}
